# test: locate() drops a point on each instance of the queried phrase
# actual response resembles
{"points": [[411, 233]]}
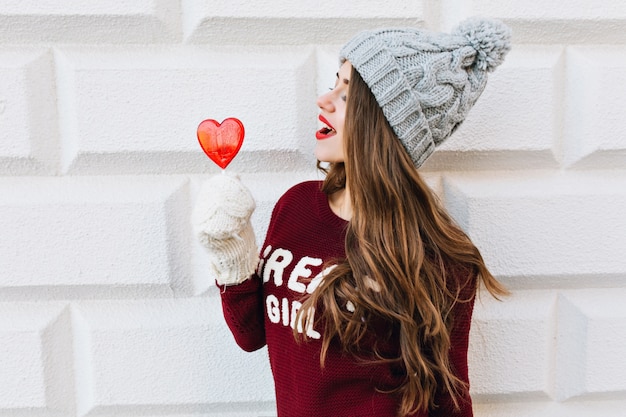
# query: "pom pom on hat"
{"points": [[427, 82], [490, 38]]}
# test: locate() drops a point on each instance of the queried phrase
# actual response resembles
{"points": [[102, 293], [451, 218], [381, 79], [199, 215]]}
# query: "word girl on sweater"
{"points": [[273, 264]]}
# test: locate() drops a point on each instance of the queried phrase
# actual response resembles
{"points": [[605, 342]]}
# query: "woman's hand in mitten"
{"points": [[221, 222]]}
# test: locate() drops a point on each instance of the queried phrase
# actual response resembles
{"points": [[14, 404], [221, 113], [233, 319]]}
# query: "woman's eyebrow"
{"points": [[345, 80]]}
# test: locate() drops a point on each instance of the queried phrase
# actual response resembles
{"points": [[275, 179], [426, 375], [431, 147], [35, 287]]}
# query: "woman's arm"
{"points": [[221, 222], [244, 312]]}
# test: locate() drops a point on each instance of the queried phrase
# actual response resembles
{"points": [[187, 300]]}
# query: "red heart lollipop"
{"points": [[221, 142]]}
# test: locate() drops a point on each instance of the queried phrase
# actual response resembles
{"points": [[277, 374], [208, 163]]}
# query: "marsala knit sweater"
{"points": [[304, 235]]}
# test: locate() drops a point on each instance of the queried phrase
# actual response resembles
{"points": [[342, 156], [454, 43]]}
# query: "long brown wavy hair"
{"points": [[401, 246]]}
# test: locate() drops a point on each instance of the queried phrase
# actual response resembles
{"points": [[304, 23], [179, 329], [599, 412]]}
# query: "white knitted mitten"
{"points": [[221, 221]]}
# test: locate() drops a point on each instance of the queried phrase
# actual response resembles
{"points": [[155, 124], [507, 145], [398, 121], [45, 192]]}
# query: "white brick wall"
{"points": [[105, 305]]}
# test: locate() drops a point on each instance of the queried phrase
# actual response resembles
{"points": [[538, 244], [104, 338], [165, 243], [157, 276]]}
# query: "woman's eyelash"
{"points": [[343, 97]]}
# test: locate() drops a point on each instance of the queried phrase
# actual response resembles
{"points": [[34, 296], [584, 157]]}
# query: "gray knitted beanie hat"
{"points": [[426, 82]]}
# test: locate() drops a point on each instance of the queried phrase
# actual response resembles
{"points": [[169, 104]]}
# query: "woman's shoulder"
{"points": [[462, 280], [301, 193], [308, 188], [306, 200]]}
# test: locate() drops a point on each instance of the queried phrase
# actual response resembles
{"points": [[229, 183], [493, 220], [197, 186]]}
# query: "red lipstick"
{"points": [[326, 131]]}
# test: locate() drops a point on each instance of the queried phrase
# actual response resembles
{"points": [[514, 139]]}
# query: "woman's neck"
{"points": [[340, 203]]}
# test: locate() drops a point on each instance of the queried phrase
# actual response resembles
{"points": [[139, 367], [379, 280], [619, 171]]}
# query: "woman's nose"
{"points": [[324, 101]]}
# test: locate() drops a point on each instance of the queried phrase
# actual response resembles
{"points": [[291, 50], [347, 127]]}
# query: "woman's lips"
{"points": [[325, 132]]}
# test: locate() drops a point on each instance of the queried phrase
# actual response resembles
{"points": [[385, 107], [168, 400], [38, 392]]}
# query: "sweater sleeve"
{"points": [[243, 311], [459, 341], [243, 306]]}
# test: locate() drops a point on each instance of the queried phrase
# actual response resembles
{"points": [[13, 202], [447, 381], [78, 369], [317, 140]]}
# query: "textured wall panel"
{"points": [[516, 123], [35, 360], [137, 110], [178, 357], [538, 21], [288, 22], [512, 347], [63, 237], [596, 86], [116, 21], [551, 409], [591, 344], [28, 125], [545, 228]]}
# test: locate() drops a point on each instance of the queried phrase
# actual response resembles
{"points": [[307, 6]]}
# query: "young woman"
{"points": [[364, 289]]}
